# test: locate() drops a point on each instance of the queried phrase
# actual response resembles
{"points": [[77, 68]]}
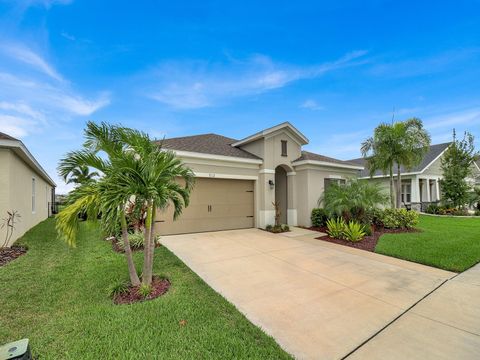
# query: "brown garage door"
{"points": [[215, 204]]}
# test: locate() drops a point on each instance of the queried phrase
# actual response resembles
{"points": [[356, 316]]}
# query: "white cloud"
{"points": [[451, 119], [311, 105], [198, 84], [27, 56], [25, 4], [68, 36], [14, 126], [33, 101]]}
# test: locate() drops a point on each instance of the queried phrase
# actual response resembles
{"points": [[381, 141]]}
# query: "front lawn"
{"points": [[446, 242], [56, 296]]}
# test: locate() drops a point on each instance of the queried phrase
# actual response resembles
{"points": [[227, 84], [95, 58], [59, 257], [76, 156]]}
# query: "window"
{"points": [[33, 195], [284, 147], [406, 193], [328, 181]]}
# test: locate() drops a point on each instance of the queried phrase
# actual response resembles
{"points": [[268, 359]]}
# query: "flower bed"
{"points": [[368, 243], [11, 253]]}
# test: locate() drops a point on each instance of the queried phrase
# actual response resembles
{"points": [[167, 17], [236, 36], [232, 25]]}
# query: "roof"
{"points": [[18, 147], [214, 144], [306, 155], [206, 144], [433, 153], [302, 139], [4, 136]]}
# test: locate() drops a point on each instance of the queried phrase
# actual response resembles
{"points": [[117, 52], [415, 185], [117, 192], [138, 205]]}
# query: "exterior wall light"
{"points": [[271, 183]]}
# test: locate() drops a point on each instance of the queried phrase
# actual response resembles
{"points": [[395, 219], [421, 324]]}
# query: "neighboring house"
{"points": [[477, 179], [237, 181], [420, 184], [24, 186]]}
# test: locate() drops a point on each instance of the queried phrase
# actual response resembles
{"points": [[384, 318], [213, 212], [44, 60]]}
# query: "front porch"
{"points": [[420, 189]]}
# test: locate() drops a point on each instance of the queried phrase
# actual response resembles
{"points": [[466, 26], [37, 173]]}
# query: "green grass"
{"points": [[56, 296], [447, 243]]}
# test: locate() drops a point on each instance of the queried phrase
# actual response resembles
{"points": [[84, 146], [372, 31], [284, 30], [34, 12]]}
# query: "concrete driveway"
{"points": [[318, 300]]}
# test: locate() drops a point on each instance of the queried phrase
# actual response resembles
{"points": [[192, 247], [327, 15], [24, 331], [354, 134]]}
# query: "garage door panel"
{"points": [[215, 204]]}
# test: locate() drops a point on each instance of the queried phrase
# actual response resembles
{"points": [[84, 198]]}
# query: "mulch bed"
{"points": [[159, 287], [368, 243], [11, 253]]}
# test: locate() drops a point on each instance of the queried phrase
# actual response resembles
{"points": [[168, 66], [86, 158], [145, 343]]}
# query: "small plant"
{"points": [[137, 240], [144, 290], [278, 213], [399, 218], [118, 288], [319, 217], [285, 228], [336, 227], [9, 223], [432, 209], [269, 227], [477, 212], [353, 231]]}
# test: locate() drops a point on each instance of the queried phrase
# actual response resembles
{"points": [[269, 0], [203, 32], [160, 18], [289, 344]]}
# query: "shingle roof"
{"points": [[306, 155], [4, 136], [207, 144], [432, 154]]}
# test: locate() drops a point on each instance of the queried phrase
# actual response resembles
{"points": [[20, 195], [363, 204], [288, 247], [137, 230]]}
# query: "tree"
{"points": [[95, 196], [402, 143], [80, 175], [457, 163], [134, 169], [352, 200]]}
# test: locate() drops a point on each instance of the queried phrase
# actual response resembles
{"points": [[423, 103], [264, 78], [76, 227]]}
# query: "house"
{"points": [[237, 181], [420, 184], [24, 187]]}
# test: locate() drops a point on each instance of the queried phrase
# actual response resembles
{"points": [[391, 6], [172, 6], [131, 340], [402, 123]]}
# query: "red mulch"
{"points": [[11, 253], [159, 287], [368, 243]]}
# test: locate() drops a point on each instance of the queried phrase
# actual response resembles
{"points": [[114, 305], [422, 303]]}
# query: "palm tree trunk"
{"points": [[148, 251], [132, 271], [392, 195], [399, 187]]}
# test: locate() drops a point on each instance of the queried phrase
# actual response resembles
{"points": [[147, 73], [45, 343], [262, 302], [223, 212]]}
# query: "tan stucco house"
{"points": [[420, 185], [24, 186], [237, 181]]}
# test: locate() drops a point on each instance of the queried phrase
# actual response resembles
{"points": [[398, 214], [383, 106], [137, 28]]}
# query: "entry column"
{"points": [[292, 199]]}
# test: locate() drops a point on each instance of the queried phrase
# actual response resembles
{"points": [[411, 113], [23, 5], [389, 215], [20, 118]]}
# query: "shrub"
{"points": [[399, 218], [144, 290], [336, 227], [353, 231], [285, 228], [432, 209], [352, 200], [269, 227], [118, 288], [374, 217], [137, 240], [477, 212], [319, 217]]}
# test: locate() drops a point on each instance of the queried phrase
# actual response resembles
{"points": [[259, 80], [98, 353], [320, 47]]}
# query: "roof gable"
{"points": [[286, 126]]}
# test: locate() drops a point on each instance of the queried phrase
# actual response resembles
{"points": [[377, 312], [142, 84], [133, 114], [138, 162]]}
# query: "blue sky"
{"points": [[334, 69]]}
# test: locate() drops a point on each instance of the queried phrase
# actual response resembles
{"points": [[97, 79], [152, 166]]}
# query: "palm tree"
{"points": [[402, 143], [97, 196], [80, 175], [135, 168], [351, 200], [160, 180]]}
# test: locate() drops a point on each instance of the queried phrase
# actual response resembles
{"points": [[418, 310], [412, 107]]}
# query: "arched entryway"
{"points": [[281, 192]]}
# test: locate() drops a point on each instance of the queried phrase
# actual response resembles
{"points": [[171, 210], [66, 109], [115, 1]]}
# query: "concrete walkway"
{"points": [[444, 325], [318, 300]]}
